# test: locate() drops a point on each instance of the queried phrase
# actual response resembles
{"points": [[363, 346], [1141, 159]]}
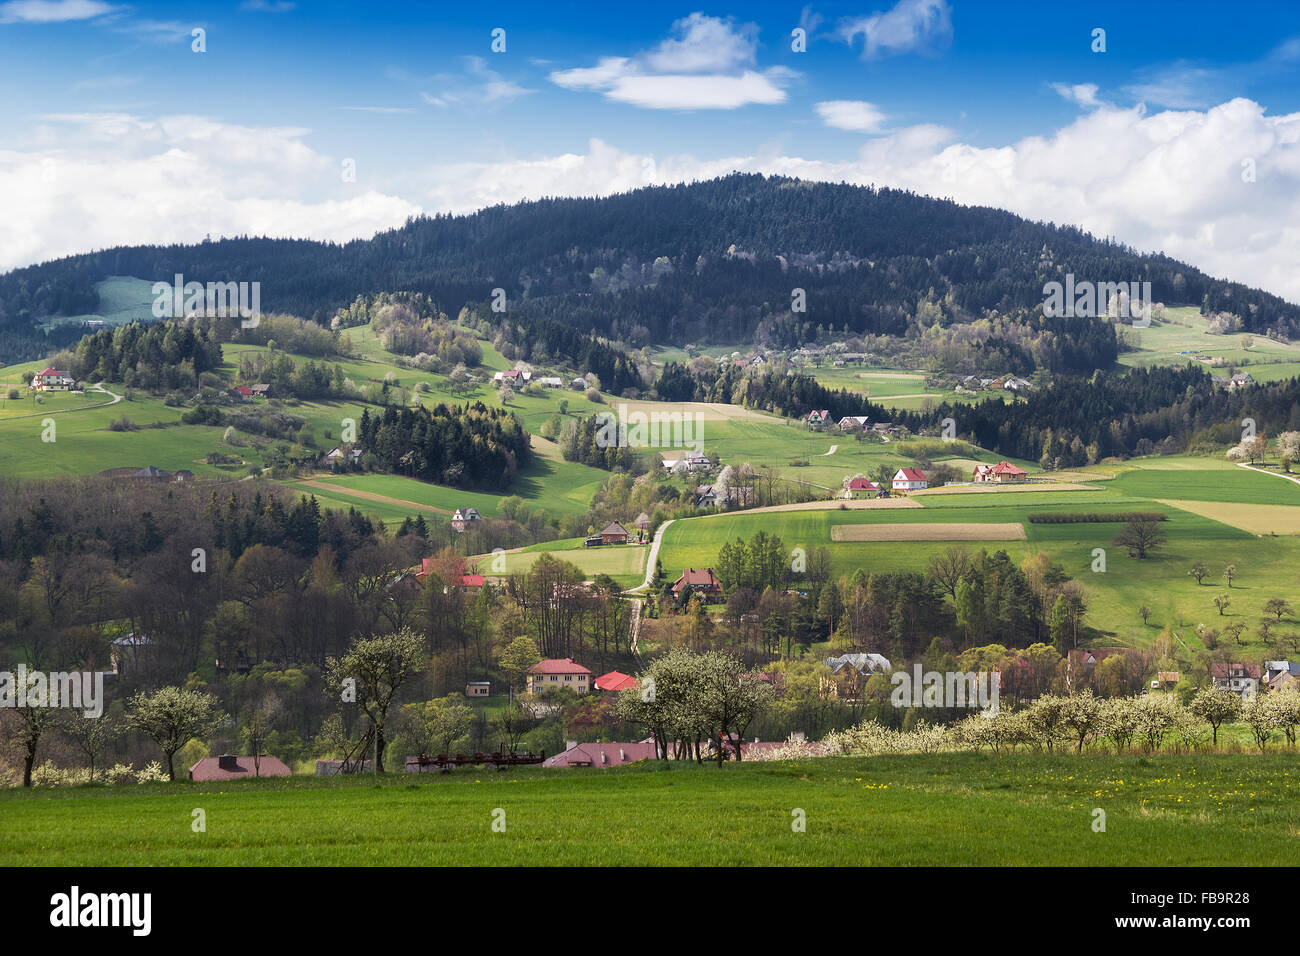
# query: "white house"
{"points": [[1242, 679], [910, 479], [52, 380], [694, 461]]}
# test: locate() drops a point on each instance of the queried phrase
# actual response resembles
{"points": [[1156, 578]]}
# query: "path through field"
{"points": [[653, 556], [834, 448]]}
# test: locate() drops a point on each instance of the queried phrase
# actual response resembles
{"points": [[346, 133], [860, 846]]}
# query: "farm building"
{"points": [[52, 380], [910, 479], [604, 755], [554, 673], [613, 533], [229, 767], [854, 423], [699, 580]]}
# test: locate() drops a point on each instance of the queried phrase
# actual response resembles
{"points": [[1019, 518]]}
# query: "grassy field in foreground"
{"points": [[943, 809]]}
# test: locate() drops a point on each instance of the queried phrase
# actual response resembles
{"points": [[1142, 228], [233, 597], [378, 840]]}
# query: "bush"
{"points": [[1048, 517]]}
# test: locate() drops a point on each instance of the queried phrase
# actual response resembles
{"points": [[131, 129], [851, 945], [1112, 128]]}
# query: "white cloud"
{"points": [[478, 87], [709, 63], [1084, 94], [52, 11], [99, 180], [856, 115], [911, 26]]}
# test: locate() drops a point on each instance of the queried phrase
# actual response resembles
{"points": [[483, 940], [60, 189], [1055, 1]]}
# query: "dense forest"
{"points": [[470, 447], [1077, 421], [714, 261]]}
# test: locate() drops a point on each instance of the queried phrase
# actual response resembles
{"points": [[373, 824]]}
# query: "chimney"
{"points": [[622, 754], [228, 762]]}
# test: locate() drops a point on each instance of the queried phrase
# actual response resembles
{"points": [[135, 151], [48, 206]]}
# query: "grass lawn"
{"points": [[943, 809], [624, 563]]}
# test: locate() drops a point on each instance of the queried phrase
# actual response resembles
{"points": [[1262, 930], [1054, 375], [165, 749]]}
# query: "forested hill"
{"points": [[711, 261]]}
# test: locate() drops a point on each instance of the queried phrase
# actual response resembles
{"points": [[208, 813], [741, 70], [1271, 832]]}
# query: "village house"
{"points": [[261, 390], [817, 420], [709, 496], [128, 650], [1000, 473], [1240, 380], [693, 461], [556, 673], [552, 381], [52, 380], [1241, 679], [909, 479], [854, 423], [463, 517], [339, 454], [478, 688], [229, 767], [514, 376], [1166, 680], [700, 581], [241, 393], [860, 488], [603, 755], [614, 682]]}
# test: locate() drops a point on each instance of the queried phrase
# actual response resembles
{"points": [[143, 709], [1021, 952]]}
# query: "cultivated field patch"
{"points": [[1011, 531], [1257, 519]]}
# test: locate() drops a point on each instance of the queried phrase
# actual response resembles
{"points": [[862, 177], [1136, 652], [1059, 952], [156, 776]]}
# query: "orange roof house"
{"points": [[615, 681]]}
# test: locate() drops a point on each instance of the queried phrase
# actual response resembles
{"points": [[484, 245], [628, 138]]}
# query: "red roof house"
{"points": [[615, 681], [229, 767], [909, 479], [698, 579]]}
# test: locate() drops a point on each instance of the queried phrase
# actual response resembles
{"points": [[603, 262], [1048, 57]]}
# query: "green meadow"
{"points": [[923, 810], [1266, 565]]}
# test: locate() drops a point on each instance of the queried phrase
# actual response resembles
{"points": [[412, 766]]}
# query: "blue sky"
{"points": [[112, 129]]}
